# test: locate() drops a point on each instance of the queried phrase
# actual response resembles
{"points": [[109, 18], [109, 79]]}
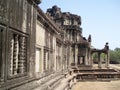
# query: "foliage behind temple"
{"points": [[115, 56]]}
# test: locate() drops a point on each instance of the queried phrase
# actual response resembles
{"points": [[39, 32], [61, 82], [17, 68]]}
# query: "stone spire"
{"points": [[89, 38]]}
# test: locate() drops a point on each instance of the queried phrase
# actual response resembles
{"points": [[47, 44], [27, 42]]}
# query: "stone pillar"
{"points": [[107, 54], [78, 60], [91, 60], [68, 56], [61, 57], [107, 60], [55, 53], [70, 35], [72, 54], [47, 61], [99, 60], [86, 58], [76, 54], [89, 57]]}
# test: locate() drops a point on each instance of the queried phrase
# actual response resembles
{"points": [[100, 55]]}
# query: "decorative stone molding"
{"points": [[37, 1]]}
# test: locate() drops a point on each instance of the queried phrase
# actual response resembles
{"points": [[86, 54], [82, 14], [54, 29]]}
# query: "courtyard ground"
{"points": [[97, 85]]}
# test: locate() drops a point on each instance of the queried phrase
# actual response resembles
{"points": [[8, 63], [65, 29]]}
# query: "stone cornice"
{"points": [[35, 1], [48, 21]]}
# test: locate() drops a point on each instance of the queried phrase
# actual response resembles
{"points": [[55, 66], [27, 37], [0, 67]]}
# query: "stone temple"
{"points": [[46, 51]]}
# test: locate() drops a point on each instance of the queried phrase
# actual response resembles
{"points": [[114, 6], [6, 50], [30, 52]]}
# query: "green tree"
{"points": [[95, 58], [115, 55]]}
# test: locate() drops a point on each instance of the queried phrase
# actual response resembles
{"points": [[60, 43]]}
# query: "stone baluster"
{"points": [[22, 55], [15, 55], [11, 55]]}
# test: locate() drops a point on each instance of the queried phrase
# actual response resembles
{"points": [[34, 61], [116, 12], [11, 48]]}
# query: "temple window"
{"points": [[46, 60], [75, 22], [58, 22], [67, 22], [38, 63], [17, 54]]}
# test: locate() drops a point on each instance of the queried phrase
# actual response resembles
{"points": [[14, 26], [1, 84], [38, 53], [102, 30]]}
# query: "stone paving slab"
{"points": [[97, 85]]}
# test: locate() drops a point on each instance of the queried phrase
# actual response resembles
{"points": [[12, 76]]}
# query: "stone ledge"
{"points": [[50, 84], [65, 83]]}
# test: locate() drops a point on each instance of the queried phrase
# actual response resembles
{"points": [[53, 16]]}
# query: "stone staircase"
{"points": [[97, 74]]}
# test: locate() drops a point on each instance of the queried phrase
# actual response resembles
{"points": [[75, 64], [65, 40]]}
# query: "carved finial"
{"points": [[106, 46], [89, 38]]}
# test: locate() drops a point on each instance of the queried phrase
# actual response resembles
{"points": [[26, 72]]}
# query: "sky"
{"points": [[100, 18]]}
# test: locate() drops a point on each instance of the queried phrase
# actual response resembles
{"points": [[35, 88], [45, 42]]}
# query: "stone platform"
{"points": [[94, 73]]}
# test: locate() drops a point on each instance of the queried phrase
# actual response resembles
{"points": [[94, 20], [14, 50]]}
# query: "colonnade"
{"points": [[99, 52], [100, 60]]}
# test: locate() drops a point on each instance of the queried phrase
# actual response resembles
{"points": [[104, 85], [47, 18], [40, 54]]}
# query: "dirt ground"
{"points": [[97, 85]]}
